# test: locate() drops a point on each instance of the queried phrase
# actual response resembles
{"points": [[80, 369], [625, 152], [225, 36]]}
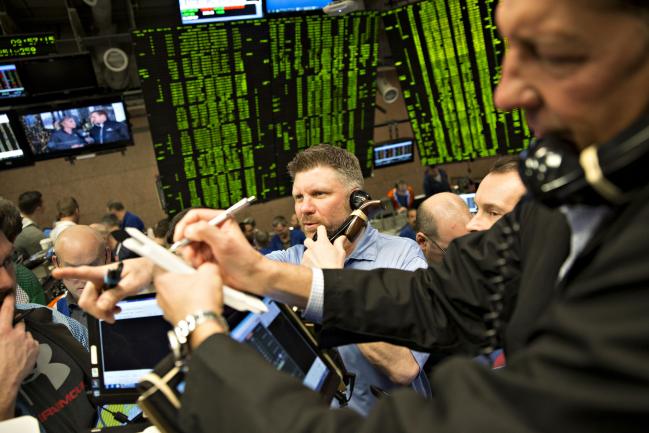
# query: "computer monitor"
{"points": [[10, 84], [76, 128], [11, 153], [282, 339], [212, 11], [288, 6], [393, 152], [123, 352], [469, 199]]}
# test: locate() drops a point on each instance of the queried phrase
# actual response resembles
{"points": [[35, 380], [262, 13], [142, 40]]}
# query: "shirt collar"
{"points": [[366, 248]]}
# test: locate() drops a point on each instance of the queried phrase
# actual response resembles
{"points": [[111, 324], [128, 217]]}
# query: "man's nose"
{"points": [[476, 223], [513, 90]]}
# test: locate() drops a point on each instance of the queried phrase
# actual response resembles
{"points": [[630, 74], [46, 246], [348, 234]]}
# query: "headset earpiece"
{"points": [[357, 198], [556, 174]]}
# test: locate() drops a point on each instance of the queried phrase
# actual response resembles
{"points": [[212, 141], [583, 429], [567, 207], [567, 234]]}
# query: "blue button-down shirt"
{"points": [[374, 250]]}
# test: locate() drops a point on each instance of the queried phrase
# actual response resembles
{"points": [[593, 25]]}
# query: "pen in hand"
{"points": [[220, 219]]}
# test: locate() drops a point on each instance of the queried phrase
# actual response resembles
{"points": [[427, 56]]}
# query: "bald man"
{"points": [[77, 245], [440, 219], [498, 193]]}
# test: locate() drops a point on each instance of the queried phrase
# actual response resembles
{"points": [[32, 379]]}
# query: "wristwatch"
{"points": [[179, 336]]}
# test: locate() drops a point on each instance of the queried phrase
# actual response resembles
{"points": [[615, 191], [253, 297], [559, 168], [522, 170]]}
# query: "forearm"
{"points": [[286, 283], [396, 362], [8, 402]]}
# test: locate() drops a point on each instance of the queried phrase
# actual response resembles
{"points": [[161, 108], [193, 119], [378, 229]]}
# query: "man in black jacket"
{"points": [[567, 293]]}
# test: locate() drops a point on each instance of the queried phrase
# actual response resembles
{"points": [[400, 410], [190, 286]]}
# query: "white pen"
{"points": [[219, 219]]}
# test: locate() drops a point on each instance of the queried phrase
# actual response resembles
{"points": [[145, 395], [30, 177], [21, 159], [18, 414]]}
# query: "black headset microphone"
{"points": [[555, 173]]}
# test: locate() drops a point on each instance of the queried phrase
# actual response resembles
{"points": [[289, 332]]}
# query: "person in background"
{"points": [[126, 218], [67, 136], [498, 193], [79, 245], [159, 232], [402, 196], [435, 181], [284, 237], [28, 241], [408, 230], [440, 219], [107, 131], [295, 223], [68, 215], [248, 227], [262, 242]]}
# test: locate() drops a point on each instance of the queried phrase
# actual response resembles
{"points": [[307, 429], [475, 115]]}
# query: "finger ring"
{"points": [[113, 276]]}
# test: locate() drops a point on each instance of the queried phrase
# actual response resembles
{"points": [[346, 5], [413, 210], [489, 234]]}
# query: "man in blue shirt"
{"points": [[285, 236], [323, 179], [408, 231], [127, 219]]}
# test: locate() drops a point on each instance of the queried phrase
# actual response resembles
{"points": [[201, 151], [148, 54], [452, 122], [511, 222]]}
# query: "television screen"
{"points": [[11, 154], [279, 6], [10, 84], [212, 11], [393, 152], [60, 74], [469, 199], [76, 129]]}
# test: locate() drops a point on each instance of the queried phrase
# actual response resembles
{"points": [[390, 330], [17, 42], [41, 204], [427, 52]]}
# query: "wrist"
{"points": [[204, 331], [191, 331]]}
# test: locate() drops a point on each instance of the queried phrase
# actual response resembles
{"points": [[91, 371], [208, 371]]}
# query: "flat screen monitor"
{"points": [[288, 6], [74, 129], [393, 152], [123, 352], [469, 199], [280, 337], [59, 74], [11, 153], [10, 84], [212, 11]]}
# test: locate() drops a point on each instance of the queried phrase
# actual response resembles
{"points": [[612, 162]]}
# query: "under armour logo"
{"points": [[56, 372]]}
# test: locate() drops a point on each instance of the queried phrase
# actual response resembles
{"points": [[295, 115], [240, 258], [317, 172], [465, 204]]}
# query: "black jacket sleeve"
{"points": [[441, 308]]}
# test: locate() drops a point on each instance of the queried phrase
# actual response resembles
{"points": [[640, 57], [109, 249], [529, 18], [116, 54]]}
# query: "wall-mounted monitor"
{"points": [[393, 152], [57, 74], [212, 11], [11, 153], [288, 6], [76, 128], [10, 84]]}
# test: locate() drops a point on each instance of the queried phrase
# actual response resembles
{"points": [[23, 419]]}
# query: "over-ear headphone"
{"points": [[556, 174]]}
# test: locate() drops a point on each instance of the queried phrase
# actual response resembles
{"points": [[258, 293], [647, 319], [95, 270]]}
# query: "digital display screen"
{"points": [[469, 199], [230, 105], [393, 153], [212, 11], [447, 55], [27, 45], [11, 153], [76, 129], [287, 6], [134, 344], [282, 345], [10, 84]]}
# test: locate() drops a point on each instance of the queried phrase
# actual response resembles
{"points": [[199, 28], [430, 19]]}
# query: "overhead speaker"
{"points": [[115, 59]]}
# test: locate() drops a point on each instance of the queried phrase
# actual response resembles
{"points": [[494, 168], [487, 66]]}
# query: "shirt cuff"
{"points": [[315, 306]]}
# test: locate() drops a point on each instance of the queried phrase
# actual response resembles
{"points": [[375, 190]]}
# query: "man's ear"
{"points": [[55, 261], [421, 239]]}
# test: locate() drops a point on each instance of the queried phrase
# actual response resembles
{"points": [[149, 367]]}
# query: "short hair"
{"points": [[10, 220], [115, 205], [67, 206], [279, 220], [261, 238], [426, 224], [161, 228], [173, 222], [323, 155], [109, 220], [505, 164], [29, 201], [102, 112], [249, 221]]}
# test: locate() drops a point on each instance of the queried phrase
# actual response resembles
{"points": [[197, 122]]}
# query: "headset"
{"points": [[363, 208], [555, 173]]}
